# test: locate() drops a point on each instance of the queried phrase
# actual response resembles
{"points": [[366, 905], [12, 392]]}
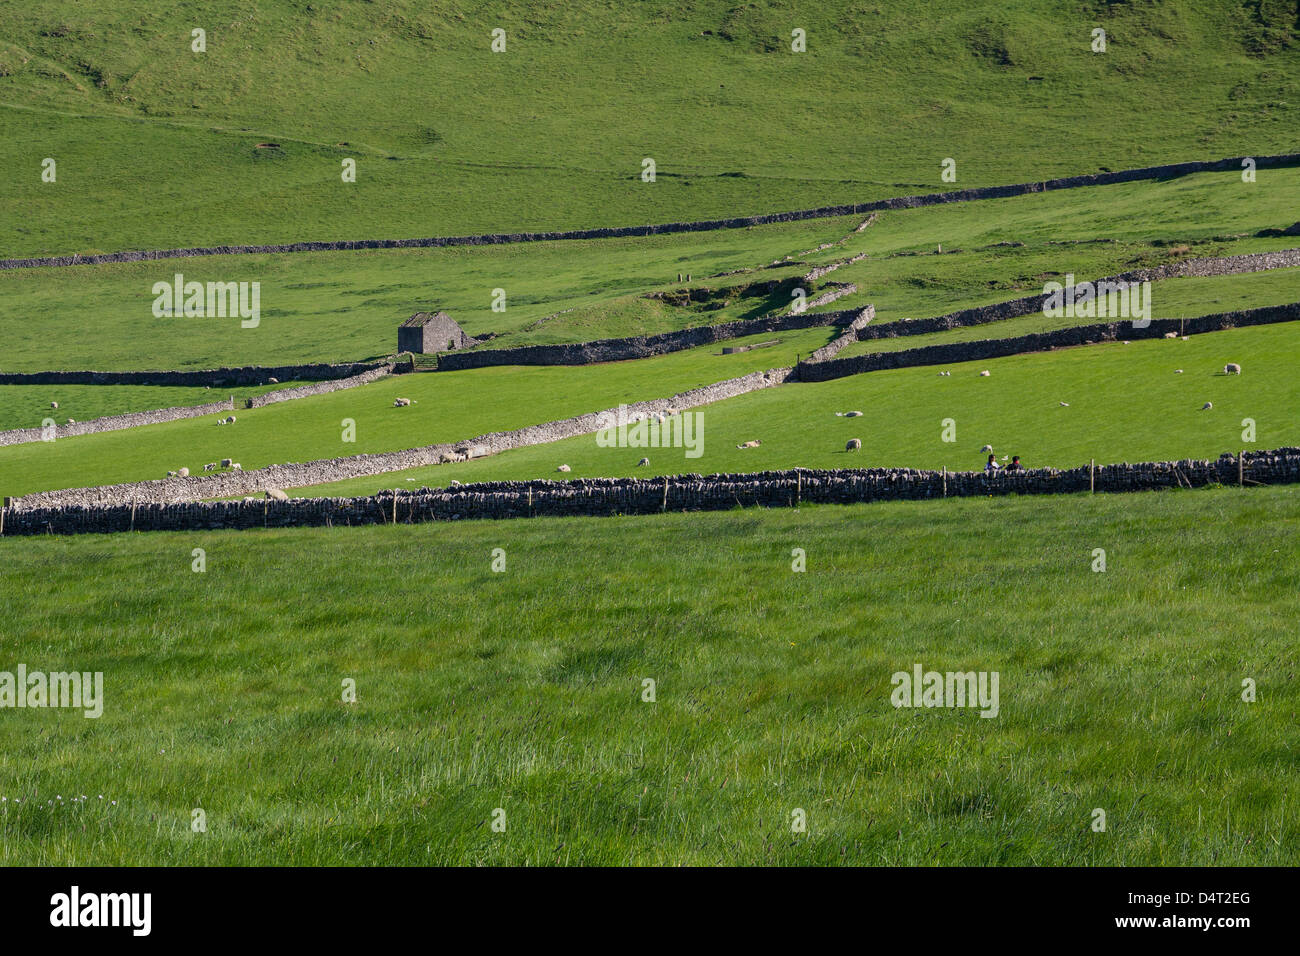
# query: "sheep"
{"points": [[454, 484], [401, 402], [275, 494], [236, 466], [752, 443], [563, 468], [1171, 335], [986, 448], [643, 462], [230, 420], [183, 473], [1178, 371], [853, 444], [1065, 404], [210, 466], [272, 381], [1207, 405], [1232, 368], [227, 462], [72, 421], [54, 405], [852, 414], [984, 374], [171, 474], [221, 421]]}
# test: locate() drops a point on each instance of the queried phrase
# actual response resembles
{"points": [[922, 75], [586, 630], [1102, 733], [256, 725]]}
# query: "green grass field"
{"points": [[523, 690], [156, 145]]}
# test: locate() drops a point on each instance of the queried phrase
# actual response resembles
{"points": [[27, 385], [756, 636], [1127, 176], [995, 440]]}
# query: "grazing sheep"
{"points": [[1171, 335], [1232, 368], [210, 466], [230, 420], [1178, 371], [171, 474], [54, 405], [183, 473], [1207, 405], [984, 374], [853, 444], [401, 402], [221, 421], [454, 484], [1065, 404], [986, 448], [275, 494], [227, 462], [563, 468], [72, 421], [852, 414], [643, 462], [753, 443], [236, 466], [273, 381]]}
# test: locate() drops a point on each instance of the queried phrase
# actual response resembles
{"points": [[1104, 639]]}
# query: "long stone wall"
{"points": [[215, 377], [1028, 305], [298, 475], [318, 388], [829, 350], [954, 352], [741, 222], [629, 496], [112, 423], [636, 347]]}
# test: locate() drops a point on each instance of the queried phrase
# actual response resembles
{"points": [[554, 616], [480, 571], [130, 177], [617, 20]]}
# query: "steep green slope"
{"points": [[158, 146]]}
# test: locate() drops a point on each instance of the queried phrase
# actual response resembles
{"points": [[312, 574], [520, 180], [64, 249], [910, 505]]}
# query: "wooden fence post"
{"points": [[665, 504], [945, 481], [1092, 476], [1241, 469]]}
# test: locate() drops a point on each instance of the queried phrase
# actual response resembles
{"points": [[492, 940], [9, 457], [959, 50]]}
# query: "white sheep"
{"points": [[984, 374], [752, 443], [853, 444], [986, 448], [401, 402], [230, 420], [1171, 335], [563, 468], [54, 405], [643, 462], [275, 494], [236, 466], [1232, 368], [210, 466], [1207, 405], [183, 473]]}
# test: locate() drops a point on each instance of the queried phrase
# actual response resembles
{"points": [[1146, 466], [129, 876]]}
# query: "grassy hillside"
{"points": [[346, 305], [158, 146], [1126, 403], [1118, 690]]}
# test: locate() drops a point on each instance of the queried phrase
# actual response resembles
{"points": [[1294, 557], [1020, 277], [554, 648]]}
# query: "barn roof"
{"points": [[421, 319]]}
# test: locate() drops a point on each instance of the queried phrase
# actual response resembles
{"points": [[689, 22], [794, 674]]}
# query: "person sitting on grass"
{"points": [[1015, 464], [992, 466]]}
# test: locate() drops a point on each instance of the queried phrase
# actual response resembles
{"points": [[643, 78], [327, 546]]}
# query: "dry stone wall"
{"points": [[741, 222], [635, 347], [111, 423], [829, 350], [1028, 305], [629, 496], [215, 377], [298, 475], [954, 352], [318, 388]]}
